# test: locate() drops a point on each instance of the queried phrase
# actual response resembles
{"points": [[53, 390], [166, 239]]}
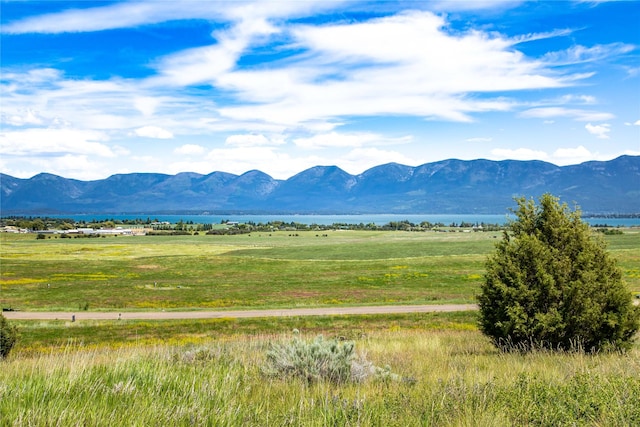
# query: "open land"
{"points": [[256, 271], [209, 370], [265, 270]]}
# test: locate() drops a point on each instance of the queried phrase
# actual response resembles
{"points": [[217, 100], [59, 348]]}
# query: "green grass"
{"points": [[279, 269], [55, 335], [260, 270], [210, 372], [446, 378]]}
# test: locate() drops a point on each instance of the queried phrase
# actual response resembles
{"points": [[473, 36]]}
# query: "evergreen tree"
{"points": [[8, 337], [552, 284]]}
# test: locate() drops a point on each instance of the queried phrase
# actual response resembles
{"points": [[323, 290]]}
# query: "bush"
{"points": [[8, 337], [320, 359], [551, 284]]}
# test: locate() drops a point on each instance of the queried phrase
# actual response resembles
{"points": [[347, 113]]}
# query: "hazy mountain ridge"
{"points": [[448, 186]]}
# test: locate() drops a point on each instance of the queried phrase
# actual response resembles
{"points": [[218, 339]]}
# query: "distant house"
{"points": [[118, 231], [12, 229]]}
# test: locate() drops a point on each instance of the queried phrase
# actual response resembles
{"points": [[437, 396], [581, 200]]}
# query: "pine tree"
{"points": [[8, 337], [552, 284]]}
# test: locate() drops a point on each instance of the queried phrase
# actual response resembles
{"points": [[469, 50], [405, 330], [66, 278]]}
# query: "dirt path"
{"points": [[165, 315]]}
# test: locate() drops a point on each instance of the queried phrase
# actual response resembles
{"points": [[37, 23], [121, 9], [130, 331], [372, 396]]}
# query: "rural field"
{"points": [[260, 270], [426, 368]]}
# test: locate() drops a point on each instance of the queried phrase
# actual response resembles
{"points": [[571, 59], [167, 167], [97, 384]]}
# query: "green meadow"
{"points": [[279, 269], [210, 371], [260, 270]]}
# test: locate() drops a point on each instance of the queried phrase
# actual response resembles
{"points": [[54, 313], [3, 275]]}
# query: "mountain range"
{"points": [[448, 186]]}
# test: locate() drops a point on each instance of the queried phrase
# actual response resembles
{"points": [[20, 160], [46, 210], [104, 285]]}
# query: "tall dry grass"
{"points": [[443, 378]]}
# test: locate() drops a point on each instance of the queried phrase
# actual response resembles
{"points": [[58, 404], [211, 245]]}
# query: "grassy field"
{"points": [[211, 372], [261, 270], [443, 377]]}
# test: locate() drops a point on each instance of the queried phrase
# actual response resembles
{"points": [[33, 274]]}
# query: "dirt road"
{"points": [[165, 315]]}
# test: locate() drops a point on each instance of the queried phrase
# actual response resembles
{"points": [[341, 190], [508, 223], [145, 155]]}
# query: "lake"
{"points": [[378, 219]]}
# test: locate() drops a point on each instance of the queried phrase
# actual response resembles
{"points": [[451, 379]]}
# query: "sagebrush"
{"points": [[318, 359]]}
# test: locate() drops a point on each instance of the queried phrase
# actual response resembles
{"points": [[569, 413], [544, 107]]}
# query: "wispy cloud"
{"points": [[403, 64], [280, 85], [575, 114], [241, 159], [582, 54], [460, 5], [253, 140], [119, 15], [600, 131], [348, 140], [190, 149], [561, 156], [54, 142], [24, 117], [519, 154]]}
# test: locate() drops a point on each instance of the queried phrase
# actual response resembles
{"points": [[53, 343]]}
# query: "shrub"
{"points": [[551, 284], [8, 337], [320, 359]]}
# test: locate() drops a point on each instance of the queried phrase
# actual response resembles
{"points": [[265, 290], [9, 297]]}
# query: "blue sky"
{"points": [[94, 88]]}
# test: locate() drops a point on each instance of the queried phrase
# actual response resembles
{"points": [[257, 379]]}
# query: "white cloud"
{"points": [[318, 78], [600, 131], [346, 140], [78, 166], [576, 99], [572, 155], [190, 149], [119, 15], [636, 123], [460, 5], [282, 165], [359, 160], [33, 142], [153, 132], [147, 105], [28, 117], [575, 114], [34, 76], [145, 12], [252, 140], [519, 154], [69, 102], [580, 54], [405, 64], [270, 160], [119, 150], [560, 156], [201, 167]]}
